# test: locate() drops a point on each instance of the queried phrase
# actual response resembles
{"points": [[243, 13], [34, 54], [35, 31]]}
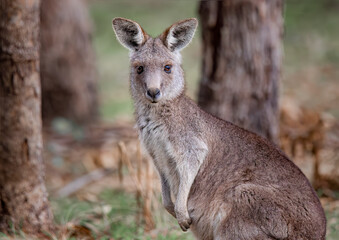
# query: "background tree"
{"points": [[23, 196], [242, 62], [68, 73]]}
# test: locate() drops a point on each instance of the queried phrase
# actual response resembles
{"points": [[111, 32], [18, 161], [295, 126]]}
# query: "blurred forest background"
{"points": [[100, 185]]}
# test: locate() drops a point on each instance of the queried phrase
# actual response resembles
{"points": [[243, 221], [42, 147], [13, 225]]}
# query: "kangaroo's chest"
{"points": [[155, 138]]}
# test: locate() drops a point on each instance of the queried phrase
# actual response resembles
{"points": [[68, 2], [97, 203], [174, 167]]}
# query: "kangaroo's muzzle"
{"points": [[153, 94]]}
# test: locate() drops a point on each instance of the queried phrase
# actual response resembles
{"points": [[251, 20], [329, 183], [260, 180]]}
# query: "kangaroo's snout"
{"points": [[153, 94]]}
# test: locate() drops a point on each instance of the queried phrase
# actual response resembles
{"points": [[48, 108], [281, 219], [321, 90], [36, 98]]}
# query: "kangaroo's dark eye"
{"points": [[167, 68], [140, 69]]}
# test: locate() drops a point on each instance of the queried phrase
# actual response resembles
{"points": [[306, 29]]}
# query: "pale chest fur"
{"points": [[168, 150], [154, 137]]}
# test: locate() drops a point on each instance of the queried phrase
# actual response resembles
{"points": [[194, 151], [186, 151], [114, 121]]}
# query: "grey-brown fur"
{"points": [[226, 182]]}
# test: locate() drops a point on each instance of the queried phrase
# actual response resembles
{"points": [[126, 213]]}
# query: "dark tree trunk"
{"points": [[68, 73], [23, 196], [242, 62]]}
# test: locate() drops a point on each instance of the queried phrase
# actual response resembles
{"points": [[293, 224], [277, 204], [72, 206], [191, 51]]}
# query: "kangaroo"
{"points": [[227, 182]]}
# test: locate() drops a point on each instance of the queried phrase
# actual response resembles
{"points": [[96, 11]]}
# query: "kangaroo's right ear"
{"points": [[180, 34], [129, 33]]}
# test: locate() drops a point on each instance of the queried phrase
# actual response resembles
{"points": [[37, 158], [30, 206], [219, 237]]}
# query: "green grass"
{"points": [[332, 224], [114, 216]]}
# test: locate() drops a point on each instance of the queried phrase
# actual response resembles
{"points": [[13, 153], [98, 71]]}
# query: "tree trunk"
{"points": [[23, 196], [242, 62], [68, 73]]}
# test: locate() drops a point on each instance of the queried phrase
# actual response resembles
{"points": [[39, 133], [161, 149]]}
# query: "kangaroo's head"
{"points": [[156, 73]]}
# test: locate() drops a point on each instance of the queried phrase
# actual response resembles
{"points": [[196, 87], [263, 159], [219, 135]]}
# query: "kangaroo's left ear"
{"points": [[180, 34], [129, 33]]}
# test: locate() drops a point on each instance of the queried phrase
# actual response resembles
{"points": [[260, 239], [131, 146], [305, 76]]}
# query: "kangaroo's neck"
{"points": [[161, 110]]}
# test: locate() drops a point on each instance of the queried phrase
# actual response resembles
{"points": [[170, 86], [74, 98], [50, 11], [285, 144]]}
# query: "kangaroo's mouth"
{"points": [[153, 101]]}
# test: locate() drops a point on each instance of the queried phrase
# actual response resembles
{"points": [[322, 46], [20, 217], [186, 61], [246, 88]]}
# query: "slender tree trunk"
{"points": [[68, 72], [242, 62], [23, 196]]}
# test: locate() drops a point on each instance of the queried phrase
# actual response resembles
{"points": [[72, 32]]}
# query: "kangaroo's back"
{"points": [[218, 179]]}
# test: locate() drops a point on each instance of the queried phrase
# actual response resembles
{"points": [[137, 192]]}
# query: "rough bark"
{"points": [[23, 196], [242, 62], [68, 72]]}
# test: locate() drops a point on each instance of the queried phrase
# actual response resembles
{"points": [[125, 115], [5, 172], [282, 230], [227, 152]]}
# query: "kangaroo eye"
{"points": [[140, 69], [167, 68]]}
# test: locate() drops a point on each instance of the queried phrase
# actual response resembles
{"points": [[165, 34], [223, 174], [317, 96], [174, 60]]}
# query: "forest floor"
{"points": [[102, 187]]}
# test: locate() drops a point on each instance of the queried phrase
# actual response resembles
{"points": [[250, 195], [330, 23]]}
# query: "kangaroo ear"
{"points": [[180, 34], [129, 33]]}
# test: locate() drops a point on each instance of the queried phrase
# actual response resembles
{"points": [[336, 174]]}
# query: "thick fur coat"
{"points": [[219, 180]]}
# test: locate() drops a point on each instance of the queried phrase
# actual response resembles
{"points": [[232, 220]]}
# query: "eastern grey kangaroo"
{"points": [[227, 183]]}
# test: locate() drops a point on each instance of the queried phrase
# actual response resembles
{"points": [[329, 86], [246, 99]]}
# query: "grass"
{"points": [[332, 224], [113, 215]]}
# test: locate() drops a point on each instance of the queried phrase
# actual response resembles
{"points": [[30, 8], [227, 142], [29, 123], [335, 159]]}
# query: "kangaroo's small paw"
{"points": [[170, 209], [184, 222]]}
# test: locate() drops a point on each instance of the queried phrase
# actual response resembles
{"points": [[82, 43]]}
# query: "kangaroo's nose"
{"points": [[154, 94]]}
